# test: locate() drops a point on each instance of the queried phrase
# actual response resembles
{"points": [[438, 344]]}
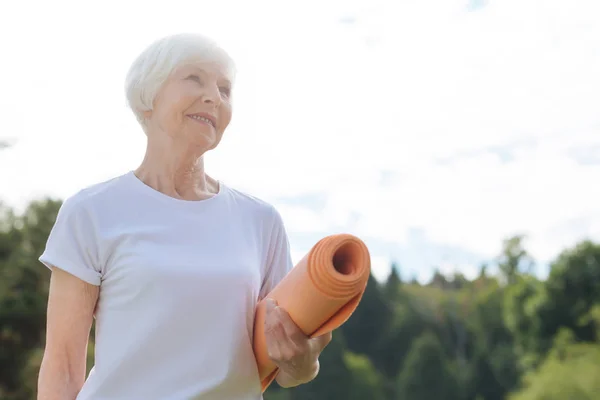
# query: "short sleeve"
{"points": [[72, 245], [279, 257]]}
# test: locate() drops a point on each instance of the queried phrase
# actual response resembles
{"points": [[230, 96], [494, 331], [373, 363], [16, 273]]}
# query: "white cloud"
{"points": [[323, 106], [380, 268], [301, 219]]}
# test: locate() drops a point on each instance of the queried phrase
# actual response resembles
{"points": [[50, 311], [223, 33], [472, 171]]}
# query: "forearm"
{"points": [[58, 383]]}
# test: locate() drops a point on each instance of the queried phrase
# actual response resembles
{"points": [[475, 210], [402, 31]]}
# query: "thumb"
{"points": [[323, 340], [270, 305], [269, 302]]}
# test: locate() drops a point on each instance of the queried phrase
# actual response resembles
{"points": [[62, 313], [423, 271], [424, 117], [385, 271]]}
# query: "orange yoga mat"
{"points": [[320, 293]]}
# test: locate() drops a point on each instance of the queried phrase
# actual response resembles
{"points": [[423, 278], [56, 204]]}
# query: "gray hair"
{"points": [[154, 65]]}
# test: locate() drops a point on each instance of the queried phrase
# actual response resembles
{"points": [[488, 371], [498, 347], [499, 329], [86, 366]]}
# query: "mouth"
{"points": [[204, 118]]}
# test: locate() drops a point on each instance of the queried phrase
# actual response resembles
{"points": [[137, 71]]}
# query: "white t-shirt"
{"points": [[179, 281]]}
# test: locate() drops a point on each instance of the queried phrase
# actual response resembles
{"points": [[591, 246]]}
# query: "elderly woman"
{"points": [[170, 261]]}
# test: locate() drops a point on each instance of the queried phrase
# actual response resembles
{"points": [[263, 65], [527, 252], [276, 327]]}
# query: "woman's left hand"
{"points": [[296, 354]]}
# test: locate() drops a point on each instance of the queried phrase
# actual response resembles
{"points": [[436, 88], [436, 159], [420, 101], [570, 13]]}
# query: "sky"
{"points": [[432, 130]]}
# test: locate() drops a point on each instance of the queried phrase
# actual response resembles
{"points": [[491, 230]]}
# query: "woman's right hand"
{"points": [[71, 305]]}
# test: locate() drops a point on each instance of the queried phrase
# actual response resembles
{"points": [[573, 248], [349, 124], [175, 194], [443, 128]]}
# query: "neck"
{"points": [[176, 171]]}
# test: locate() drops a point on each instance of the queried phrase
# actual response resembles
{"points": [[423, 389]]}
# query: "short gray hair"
{"points": [[154, 65]]}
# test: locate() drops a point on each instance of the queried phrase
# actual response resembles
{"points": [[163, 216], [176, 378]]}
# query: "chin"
{"points": [[202, 139], [205, 142]]}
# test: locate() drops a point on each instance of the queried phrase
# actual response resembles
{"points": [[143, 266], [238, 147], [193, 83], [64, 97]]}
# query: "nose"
{"points": [[211, 95]]}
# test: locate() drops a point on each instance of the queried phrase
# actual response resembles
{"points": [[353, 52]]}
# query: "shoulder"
{"points": [[91, 198], [255, 205]]}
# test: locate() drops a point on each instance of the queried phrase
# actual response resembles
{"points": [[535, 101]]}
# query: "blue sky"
{"points": [[433, 130]]}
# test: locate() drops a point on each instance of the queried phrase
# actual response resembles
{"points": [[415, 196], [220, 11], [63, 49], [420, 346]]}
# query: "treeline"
{"points": [[507, 336]]}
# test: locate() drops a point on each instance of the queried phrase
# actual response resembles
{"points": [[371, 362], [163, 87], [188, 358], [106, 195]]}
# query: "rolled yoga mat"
{"points": [[320, 293]]}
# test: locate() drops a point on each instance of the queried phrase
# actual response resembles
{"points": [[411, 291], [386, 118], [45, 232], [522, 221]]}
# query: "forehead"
{"points": [[213, 69]]}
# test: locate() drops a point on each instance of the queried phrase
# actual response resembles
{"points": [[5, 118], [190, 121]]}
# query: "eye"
{"points": [[226, 90], [194, 77]]}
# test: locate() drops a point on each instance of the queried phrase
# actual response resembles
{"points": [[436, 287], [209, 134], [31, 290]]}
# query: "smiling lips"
{"points": [[205, 118]]}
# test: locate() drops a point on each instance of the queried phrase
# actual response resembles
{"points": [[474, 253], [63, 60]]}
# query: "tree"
{"points": [[514, 259], [408, 323], [458, 281], [335, 377], [367, 381], [523, 305], [570, 371], [536, 311], [369, 322], [496, 364], [427, 373], [438, 280], [571, 292], [483, 271], [23, 292], [392, 285]]}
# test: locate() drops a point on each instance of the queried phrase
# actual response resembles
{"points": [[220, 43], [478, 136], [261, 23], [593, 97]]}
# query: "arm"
{"points": [[296, 355], [71, 304], [73, 255]]}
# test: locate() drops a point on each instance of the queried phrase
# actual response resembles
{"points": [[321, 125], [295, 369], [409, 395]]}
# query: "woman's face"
{"points": [[193, 105]]}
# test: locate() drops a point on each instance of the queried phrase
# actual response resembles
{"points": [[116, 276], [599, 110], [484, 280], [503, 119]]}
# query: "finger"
{"points": [[323, 340], [271, 317], [326, 337], [272, 342], [293, 332], [270, 304], [274, 333]]}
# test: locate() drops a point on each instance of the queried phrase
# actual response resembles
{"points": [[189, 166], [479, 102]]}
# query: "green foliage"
{"points": [[367, 382], [496, 365], [333, 369], [570, 372], [514, 259], [392, 285], [509, 337], [371, 318], [572, 290], [427, 372], [23, 293]]}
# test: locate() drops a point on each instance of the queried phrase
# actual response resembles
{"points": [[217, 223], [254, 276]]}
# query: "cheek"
{"points": [[175, 114], [225, 116]]}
